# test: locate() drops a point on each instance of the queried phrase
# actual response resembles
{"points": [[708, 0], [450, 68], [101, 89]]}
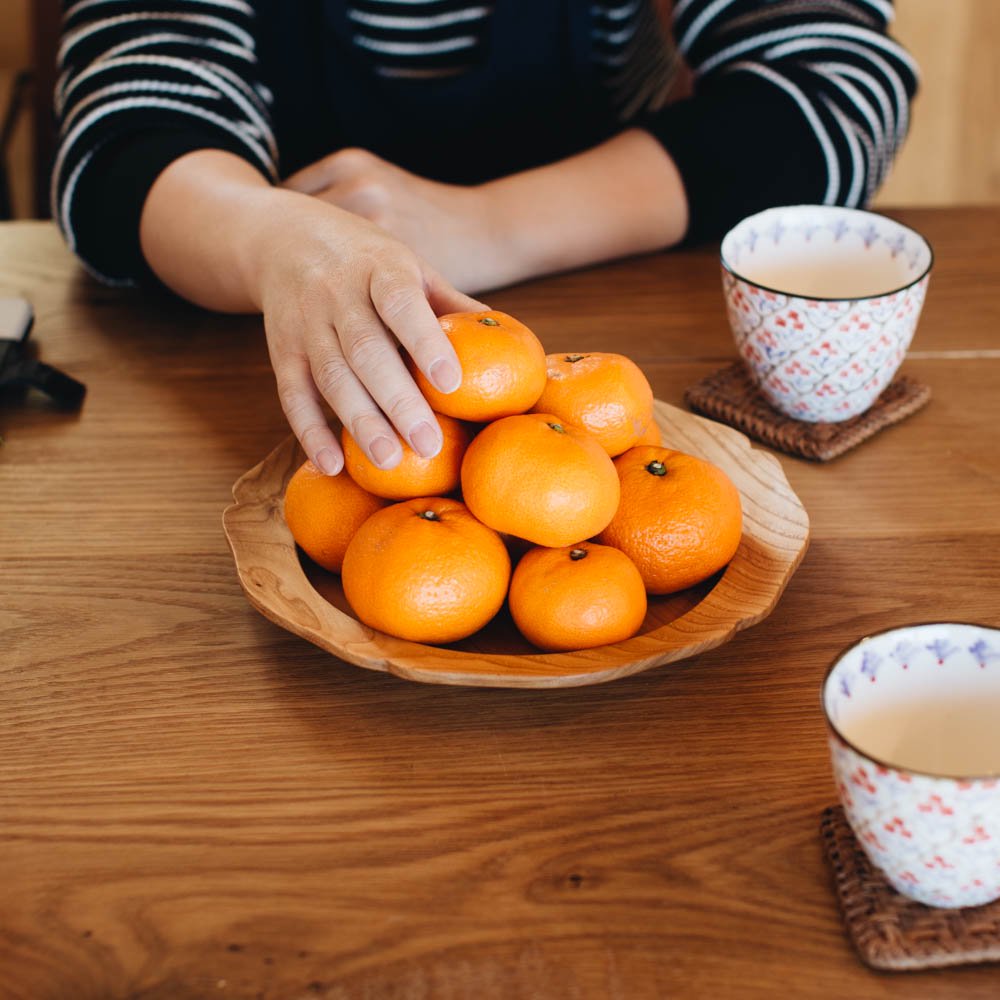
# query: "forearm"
{"points": [[620, 198], [138, 92], [792, 103], [199, 221]]}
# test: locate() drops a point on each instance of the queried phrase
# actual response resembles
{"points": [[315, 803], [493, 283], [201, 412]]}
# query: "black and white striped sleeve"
{"points": [[141, 84], [794, 101]]}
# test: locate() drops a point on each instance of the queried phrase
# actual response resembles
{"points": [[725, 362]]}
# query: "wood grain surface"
{"points": [[195, 803]]}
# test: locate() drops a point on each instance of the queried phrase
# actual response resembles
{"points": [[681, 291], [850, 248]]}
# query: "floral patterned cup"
{"points": [[823, 303], [914, 733]]}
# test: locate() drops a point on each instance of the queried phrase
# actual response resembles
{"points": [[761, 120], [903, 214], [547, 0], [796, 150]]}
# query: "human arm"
{"points": [[805, 102], [137, 91], [336, 293], [183, 143], [622, 197], [792, 103]]}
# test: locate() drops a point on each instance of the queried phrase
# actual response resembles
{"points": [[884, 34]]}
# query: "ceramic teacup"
{"points": [[823, 303], [914, 733]]}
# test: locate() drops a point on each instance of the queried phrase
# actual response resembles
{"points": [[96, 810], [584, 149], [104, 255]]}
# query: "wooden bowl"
{"points": [[292, 591]]}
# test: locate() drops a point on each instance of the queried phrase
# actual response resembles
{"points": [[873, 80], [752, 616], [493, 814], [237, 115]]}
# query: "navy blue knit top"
{"points": [[793, 100]]}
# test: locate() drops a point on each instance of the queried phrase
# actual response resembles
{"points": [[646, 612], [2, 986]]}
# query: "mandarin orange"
{"points": [[577, 597], [426, 570], [534, 477], [414, 476], [323, 513], [679, 518], [503, 367], [605, 394]]}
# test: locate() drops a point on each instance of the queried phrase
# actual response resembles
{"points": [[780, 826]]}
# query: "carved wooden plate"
{"points": [[287, 587]]}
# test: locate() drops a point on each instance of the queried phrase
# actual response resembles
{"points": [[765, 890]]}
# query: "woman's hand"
{"points": [[622, 197], [339, 296], [449, 226], [346, 260]]}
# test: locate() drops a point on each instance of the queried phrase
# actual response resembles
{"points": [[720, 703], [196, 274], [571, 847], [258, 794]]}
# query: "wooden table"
{"points": [[196, 804]]}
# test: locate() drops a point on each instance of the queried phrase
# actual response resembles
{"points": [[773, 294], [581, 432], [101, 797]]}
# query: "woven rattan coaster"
{"points": [[731, 396], [893, 932]]}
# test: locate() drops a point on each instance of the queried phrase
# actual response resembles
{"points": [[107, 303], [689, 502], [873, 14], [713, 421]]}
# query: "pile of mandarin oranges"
{"points": [[551, 492]]}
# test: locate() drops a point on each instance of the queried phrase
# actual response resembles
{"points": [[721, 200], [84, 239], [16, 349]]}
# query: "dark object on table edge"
{"points": [[18, 369], [891, 932], [731, 396]]}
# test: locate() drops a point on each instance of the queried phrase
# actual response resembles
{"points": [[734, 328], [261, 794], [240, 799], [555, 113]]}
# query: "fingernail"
{"points": [[445, 376], [382, 451], [425, 440], [328, 462]]}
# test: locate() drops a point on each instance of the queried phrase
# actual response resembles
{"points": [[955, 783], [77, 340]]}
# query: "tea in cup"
{"points": [[914, 734], [823, 303]]}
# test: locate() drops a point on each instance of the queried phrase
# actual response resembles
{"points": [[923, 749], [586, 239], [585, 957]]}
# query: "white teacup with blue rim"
{"points": [[823, 303], [914, 732]]}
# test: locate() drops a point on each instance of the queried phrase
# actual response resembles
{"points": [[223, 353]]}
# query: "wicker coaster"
{"points": [[893, 932], [731, 396]]}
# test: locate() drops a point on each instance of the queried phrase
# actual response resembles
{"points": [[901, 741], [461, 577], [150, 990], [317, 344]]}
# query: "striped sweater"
{"points": [[791, 101]]}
